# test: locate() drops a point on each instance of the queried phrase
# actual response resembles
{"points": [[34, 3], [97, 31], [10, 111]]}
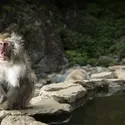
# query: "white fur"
{"points": [[11, 73], [12, 69]]}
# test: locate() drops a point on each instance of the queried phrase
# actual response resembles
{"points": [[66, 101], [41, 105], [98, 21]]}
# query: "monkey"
{"points": [[17, 78]]}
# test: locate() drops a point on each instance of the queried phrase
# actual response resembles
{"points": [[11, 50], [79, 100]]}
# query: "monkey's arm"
{"points": [[3, 95]]}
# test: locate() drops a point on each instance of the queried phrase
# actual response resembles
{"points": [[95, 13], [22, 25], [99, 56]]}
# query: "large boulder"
{"points": [[36, 24], [45, 105], [63, 92], [77, 74], [120, 73], [39, 106]]}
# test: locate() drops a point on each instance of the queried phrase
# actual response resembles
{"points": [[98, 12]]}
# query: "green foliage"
{"points": [[76, 57], [92, 61], [89, 35], [106, 61], [119, 49], [96, 32]]}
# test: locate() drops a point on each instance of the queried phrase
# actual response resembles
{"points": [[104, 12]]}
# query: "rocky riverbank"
{"points": [[74, 87]]}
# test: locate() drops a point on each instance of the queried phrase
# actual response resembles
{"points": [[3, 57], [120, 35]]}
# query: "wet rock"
{"points": [[115, 86], [113, 82], [64, 92], [20, 120]]}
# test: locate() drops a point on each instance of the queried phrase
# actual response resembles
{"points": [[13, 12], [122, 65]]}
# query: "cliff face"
{"points": [[36, 24]]}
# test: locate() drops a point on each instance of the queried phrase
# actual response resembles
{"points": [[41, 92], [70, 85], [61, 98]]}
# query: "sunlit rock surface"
{"points": [[64, 92], [20, 120]]}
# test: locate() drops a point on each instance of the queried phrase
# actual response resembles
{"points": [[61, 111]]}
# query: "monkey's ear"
{"points": [[17, 39], [17, 43]]}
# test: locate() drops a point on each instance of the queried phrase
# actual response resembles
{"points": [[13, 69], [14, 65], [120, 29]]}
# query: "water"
{"points": [[101, 111]]}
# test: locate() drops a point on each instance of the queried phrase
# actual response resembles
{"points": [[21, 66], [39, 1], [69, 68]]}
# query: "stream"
{"points": [[108, 110]]}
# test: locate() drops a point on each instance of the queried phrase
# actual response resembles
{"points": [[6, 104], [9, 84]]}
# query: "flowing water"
{"points": [[100, 111]]}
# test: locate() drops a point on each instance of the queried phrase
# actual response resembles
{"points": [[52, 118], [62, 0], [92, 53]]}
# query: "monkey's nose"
{"points": [[2, 51]]}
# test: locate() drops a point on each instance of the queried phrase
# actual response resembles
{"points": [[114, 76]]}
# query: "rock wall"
{"points": [[36, 24]]}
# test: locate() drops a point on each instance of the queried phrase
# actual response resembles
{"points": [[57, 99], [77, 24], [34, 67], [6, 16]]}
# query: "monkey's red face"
{"points": [[4, 49]]}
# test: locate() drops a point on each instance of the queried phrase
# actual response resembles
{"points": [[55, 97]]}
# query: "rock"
{"points": [[93, 84], [98, 69], [115, 86], [115, 82], [104, 75], [70, 74], [4, 113], [37, 123], [42, 80], [38, 85], [57, 86], [120, 73], [101, 69], [41, 105], [20, 120], [43, 42], [51, 76], [60, 78], [64, 92], [116, 67], [77, 74], [36, 92]]}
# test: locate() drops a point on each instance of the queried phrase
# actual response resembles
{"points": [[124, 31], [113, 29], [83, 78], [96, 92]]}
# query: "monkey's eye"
{"points": [[6, 44]]}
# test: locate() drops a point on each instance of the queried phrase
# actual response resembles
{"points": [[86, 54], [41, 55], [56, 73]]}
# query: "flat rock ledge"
{"points": [[39, 106], [65, 92], [71, 91]]}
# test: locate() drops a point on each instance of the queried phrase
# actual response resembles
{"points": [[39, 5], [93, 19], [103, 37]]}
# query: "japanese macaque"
{"points": [[16, 76]]}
